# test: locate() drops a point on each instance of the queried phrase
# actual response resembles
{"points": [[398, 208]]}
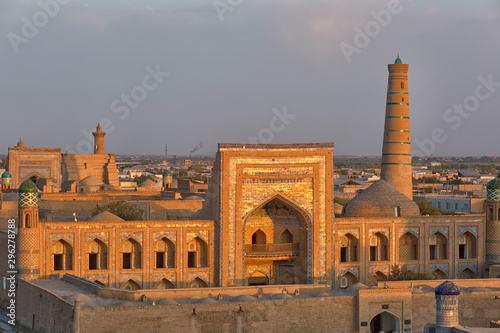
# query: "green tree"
{"points": [[142, 178], [122, 209], [182, 174], [340, 201], [404, 274], [427, 209], [488, 169]]}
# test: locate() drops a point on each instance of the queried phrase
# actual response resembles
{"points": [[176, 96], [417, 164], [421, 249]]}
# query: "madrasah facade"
{"points": [[267, 219]]}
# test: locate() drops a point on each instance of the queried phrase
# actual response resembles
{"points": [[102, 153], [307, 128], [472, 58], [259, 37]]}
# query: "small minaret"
{"points": [[99, 140], [396, 151], [167, 179], [6, 181], [446, 306], [28, 260], [492, 223]]}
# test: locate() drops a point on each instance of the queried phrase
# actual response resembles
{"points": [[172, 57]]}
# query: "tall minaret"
{"points": [[99, 140], [396, 151]]}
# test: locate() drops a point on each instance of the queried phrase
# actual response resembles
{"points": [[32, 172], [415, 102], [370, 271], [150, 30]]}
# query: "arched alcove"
{"points": [[385, 322]]}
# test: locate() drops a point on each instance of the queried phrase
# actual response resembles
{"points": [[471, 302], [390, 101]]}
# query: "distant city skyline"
{"points": [[193, 75]]}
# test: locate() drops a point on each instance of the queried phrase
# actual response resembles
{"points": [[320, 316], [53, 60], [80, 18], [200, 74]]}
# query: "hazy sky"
{"points": [[223, 66]]}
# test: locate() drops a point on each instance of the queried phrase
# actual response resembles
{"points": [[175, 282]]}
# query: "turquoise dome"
{"points": [[6, 174], [447, 288], [493, 184], [398, 60], [28, 187], [167, 173]]}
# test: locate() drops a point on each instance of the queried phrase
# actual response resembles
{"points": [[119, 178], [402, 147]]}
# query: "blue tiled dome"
{"points": [[447, 288], [167, 173], [6, 174]]}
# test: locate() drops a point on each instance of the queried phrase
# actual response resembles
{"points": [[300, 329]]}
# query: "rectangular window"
{"points": [[439, 205], [93, 261], [58, 262], [373, 253], [466, 207], [456, 206], [397, 211], [344, 254], [192, 259], [462, 251], [127, 260], [433, 252], [447, 205], [160, 259]]}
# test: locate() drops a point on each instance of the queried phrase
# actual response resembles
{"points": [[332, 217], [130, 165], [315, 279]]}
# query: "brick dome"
{"points": [[380, 200]]}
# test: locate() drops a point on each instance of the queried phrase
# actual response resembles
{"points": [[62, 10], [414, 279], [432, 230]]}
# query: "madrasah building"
{"points": [[267, 219]]}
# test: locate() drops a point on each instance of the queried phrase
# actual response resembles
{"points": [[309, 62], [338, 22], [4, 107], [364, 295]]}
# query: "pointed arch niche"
{"points": [[276, 234]]}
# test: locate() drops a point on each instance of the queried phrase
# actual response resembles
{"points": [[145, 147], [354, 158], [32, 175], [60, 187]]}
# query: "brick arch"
{"points": [[467, 274], [30, 176], [130, 284], [438, 274], [287, 277], [164, 284], [385, 321], [408, 246], [304, 220], [197, 283], [377, 276], [350, 277], [289, 202], [101, 260], [61, 253], [99, 283]]}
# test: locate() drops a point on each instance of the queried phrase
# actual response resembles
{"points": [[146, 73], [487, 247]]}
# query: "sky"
{"points": [[191, 74]]}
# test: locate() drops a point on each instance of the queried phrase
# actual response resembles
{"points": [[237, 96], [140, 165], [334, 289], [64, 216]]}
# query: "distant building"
{"points": [[34, 164]]}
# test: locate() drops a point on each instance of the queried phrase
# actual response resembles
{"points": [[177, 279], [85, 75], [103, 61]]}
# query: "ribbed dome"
{"points": [[106, 216], [380, 200], [447, 288], [493, 184], [6, 174], [90, 181], [193, 197], [148, 183], [28, 187]]}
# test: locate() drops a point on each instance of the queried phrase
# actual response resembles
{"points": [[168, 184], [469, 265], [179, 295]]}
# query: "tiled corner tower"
{"points": [[28, 251], [493, 224]]}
